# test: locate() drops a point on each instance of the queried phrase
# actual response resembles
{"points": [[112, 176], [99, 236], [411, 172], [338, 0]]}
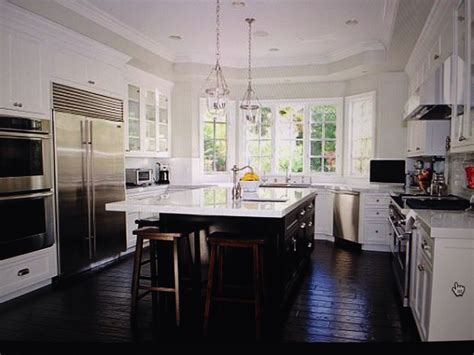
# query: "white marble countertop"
{"points": [[216, 201], [360, 187], [446, 224], [132, 190]]}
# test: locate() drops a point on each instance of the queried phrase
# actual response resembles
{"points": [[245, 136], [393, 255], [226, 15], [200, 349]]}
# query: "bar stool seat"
{"points": [[154, 234], [218, 241]]}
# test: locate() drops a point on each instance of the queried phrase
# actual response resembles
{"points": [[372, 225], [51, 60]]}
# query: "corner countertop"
{"points": [[446, 224], [217, 201]]}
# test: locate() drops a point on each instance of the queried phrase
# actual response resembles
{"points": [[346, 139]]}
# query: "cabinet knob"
{"points": [[310, 206], [310, 245], [377, 213], [310, 224], [417, 148], [15, 104], [377, 200], [376, 231], [425, 246], [461, 138], [20, 104], [303, 225], [302, 213], [91, 82], [436, 56], [421, 267], [408, 150]]}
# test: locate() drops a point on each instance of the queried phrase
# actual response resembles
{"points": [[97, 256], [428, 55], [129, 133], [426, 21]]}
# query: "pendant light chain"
{"points": [[250, 52], [218, 25]]}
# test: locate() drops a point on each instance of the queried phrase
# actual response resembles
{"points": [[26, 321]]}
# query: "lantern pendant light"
{"points": [[250, 105], [216, 89]]}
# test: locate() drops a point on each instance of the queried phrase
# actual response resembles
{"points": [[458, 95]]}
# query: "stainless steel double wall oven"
{"points": [[26, 195]]}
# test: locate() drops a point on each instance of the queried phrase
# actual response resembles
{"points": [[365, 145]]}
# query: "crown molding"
{"points": [[438, 17], [91, 12]]}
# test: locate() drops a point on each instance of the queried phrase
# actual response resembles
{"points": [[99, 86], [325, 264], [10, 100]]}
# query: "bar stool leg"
{"points": [[220, 272], [154, 281], [176, 280], [257, 286], [136, 274], [207, 307]]}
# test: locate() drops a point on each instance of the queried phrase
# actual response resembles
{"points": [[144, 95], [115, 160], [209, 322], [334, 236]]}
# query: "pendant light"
{"points": [[216, 89], [250, 105]]}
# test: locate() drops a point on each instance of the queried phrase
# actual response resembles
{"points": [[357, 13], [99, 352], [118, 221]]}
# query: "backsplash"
{"points": [[456, 174]]}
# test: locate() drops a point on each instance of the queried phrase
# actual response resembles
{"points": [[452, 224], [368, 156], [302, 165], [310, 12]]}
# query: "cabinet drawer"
{"points": [[374, 213], [376, 232], [377, 201], [24, 272]]}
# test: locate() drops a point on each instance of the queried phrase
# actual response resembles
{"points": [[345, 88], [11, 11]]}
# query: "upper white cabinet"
{"points": [[23, 89], [87, 73], [147, 113], [427, 137], [462, 127]]}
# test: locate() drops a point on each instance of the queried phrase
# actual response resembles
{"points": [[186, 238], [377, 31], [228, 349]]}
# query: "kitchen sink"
{"points": [[285, 185]]}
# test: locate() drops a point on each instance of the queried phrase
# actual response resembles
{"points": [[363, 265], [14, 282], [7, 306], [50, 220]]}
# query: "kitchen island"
{"points": [[284, 217]]}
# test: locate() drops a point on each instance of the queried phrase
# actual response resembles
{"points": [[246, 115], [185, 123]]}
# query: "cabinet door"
{"points": [[133, 119], [69, 66], [427, 280], [163, 126], [420, 136], [410, 137], [28, 79], [104, 76], [5, 72], [151, 124]]}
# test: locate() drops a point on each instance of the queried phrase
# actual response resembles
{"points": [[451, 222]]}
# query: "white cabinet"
{"points": [[24, 273], [323, 213], [427, 137], [440, 280], [148, 121], [87, 73], [22, 74], [462, 130], [374, 229]]}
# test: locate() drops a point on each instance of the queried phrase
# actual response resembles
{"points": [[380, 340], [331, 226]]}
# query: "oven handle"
{"points": [[399, 236], [27, 196], [39, 136]]}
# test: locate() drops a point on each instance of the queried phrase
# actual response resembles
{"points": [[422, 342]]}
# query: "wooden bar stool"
{"points": [[154, 234], [218, 241]]}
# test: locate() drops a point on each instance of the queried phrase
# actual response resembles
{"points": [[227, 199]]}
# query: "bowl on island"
{"points": [[249, 186]]}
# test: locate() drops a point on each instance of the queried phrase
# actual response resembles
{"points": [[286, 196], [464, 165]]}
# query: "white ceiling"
{"points": [[305, 31]]}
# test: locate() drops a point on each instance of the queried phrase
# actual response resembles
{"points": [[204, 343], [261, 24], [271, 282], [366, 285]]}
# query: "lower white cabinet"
{"points": [[441, 287], [374, 229], [25, 273], [323, 218]]}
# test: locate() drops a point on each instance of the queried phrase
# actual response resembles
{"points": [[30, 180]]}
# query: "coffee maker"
{"points": [[162, 174]]}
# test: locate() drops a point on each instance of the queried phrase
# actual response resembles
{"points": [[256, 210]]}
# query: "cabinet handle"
{"points": [[20, 104], [436, 56], [417, 148], [302, 213], [23, 272], [461, 138], [15, 104], [310, 206], [303, 225], [409, 150], [310, 224], [310, 245], [91, 82], [425, 246], [421, 267], [294, 243]]}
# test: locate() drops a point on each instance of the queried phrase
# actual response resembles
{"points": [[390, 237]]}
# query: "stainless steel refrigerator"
{"points": [[89, 156]]}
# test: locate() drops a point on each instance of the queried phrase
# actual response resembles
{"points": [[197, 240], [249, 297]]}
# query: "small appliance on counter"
{"points": [[139, 176], [162, 174]]}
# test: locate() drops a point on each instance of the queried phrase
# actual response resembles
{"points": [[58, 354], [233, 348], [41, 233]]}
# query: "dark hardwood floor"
{"points": [[345, 296]]}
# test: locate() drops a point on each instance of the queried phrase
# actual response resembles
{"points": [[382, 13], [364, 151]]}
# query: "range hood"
{"points": [[433, 99]]}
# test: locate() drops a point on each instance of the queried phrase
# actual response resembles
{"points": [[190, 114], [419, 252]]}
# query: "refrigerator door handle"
{"points": [[86, 166], [92, 186]]}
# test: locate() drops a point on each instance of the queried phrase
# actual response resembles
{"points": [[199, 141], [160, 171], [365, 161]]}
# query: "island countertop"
{"points": [[217, 201]]}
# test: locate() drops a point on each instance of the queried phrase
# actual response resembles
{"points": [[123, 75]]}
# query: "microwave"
{"points": [[139, 176]]}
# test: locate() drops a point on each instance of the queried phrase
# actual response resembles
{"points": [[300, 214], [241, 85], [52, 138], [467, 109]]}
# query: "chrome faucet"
{"points": [[237, 189]]}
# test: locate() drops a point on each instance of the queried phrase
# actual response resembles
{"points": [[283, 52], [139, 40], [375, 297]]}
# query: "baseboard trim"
{"points": [[25, 290], [320, 236], [376, 247]]}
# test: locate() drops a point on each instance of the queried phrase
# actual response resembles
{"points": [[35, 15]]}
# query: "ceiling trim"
{"points": [[390, 10], [93, 13]]}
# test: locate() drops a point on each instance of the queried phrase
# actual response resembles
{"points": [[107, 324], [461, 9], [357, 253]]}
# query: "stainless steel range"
{"points": [[402, 230]]}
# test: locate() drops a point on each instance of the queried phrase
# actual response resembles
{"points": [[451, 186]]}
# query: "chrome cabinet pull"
{"points": [[91, 82], [302, 213], [23, 272], [310, 245], [294, 243], [310, 224], [310, 206], [303, 225]]}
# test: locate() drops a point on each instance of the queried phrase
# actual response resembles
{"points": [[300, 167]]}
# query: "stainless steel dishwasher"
{"points": [[346, 215]]}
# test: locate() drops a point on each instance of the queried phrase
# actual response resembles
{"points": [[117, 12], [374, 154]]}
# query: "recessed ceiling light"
{"points": [[175, 37], [274, 49], [238, 4], [261, 33], [352, 22]]}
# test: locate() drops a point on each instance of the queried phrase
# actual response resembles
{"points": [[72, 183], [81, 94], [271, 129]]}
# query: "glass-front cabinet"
{"points": [[462, 125], [147, 115]]}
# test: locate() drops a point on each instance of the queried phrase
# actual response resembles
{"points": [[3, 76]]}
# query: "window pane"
{"points": [[208, 131], [266, 115], [254, 162], [330, 147], [133, 93], [316, 131], [252, 132], [265, 164], [265, 148], [329, 165], [266, 131], [297, 158], [315, 164], [133, 110], [283, 153], [221, 132], [316, 148], [252, 148], [330, 130], [298, 131], [221, 156]]}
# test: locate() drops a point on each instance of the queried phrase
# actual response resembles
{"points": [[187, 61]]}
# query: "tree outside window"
{"points": [[323, 138], [215, 142]]}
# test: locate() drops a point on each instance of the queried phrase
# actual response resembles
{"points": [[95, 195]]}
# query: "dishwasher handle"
{"points": [[353, 193]]}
